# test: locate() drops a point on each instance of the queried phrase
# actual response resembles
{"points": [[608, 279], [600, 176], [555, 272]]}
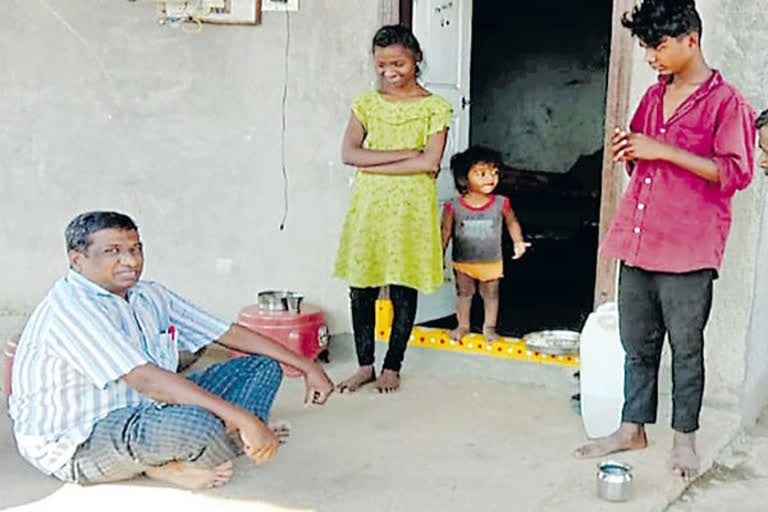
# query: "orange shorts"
{"points": [[481, 271]]}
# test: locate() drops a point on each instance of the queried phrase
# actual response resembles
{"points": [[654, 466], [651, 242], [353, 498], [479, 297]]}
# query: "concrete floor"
{"points": [[465, 433]]}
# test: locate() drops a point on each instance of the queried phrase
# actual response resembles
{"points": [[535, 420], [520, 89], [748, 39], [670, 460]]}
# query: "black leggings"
{"points": [[363, 303]]}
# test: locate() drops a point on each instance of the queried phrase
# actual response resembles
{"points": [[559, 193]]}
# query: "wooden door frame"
{"points": [[396, 12], [389, 11], [616, 114]]}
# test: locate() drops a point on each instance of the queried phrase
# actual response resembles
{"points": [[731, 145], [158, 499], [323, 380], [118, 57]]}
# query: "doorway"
{"points": [[539, 80], [538, 76]]}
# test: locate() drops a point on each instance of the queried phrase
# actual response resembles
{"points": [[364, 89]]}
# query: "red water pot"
{"points": [[302, 331]]}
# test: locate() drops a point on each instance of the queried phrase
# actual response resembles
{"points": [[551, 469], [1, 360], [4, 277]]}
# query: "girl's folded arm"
{"points": [[426, 161], [353, 153]]}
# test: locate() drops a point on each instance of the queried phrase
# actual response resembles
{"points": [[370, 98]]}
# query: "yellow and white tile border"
{"points": [[505, 348]]}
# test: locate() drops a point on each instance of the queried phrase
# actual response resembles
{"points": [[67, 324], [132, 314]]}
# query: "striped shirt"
{"points": [[77, 345]]}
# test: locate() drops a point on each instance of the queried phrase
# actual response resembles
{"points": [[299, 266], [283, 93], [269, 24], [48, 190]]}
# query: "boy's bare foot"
{"points": [[360, 378], [388, 381], [281, 429], [684, 461], [458, 333], [630, 436], [191, 477], [489, 331]]}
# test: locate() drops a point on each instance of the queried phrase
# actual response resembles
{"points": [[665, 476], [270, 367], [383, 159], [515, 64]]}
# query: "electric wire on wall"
{"points": [[283, 119]]}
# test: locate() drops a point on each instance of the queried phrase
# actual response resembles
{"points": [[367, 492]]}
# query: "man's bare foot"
{"points": [[282, 430], [360, 378], [489, 332], [388, 381], [630, 436], [684, 461], [191, 477], [458, 333]]}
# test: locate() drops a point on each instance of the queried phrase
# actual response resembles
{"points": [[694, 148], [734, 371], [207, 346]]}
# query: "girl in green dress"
{"points": [[391, 236]]}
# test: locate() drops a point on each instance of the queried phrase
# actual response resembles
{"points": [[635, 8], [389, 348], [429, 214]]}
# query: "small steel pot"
{"points": [[614, 480], [280, 300], [272, 300], [293, 302]]}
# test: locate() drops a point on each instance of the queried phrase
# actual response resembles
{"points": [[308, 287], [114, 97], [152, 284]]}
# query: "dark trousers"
{"points": [[652, 304], [363, 303]]}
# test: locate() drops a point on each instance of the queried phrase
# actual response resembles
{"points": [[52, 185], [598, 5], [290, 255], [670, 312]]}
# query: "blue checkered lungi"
{"points": [[129, 440]]}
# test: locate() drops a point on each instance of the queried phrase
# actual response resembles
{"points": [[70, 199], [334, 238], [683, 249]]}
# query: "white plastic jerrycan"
{"points": [[602, 372]]}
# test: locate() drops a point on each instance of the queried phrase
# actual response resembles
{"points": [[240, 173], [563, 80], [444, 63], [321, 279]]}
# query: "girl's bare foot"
{"points": [[458, 333], [191, 477], [684, 461], [630, 436], [388, 381], [360, 378], [489, 331], [281, 429]]}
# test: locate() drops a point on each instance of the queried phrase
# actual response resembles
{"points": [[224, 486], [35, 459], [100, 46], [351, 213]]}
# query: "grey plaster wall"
{"points": [[755, 390], [104, 108], [539, 79], [735, 38]]}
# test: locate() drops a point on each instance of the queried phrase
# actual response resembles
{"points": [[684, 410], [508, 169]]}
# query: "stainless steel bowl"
{"points": [[614, 480], [553, 342]]}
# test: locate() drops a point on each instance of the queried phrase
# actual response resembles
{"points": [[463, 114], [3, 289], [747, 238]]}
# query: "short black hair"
{"points": [[653, 20], [389, 35], [762, 120], [462, 162], [79, 229]]}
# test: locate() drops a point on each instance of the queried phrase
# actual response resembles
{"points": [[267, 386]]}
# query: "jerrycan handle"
{"points": [[608, 316]]}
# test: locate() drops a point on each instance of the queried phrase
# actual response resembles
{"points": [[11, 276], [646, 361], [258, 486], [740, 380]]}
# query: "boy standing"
{"points": [[689, 147]]}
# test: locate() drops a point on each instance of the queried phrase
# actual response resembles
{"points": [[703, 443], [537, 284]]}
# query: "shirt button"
{"points": [[637, 230], [641, 206], [663, 130], [647, 181]]}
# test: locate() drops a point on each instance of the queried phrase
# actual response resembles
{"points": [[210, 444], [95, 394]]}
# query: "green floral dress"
{"points": [[392, 231]]}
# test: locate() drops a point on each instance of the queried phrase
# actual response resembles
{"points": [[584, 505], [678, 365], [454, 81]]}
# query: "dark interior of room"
{"points": [[539, 75]]}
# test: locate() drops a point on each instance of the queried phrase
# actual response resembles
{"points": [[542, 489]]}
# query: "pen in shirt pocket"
{"points": [[171, 331]]}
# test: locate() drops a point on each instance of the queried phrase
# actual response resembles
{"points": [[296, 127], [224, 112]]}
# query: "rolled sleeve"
{"points": [[93, 345], [734, 146], [440, 117], [195, 326]]}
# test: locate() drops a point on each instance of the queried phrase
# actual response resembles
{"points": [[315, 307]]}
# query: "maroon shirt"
{"points": [[669, 219]]}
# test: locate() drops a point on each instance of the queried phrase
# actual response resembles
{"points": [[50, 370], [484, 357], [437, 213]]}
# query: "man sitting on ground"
{"points": [[96, 397]]}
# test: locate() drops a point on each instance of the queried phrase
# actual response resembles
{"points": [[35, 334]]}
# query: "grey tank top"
{"points": [[477, 232]]}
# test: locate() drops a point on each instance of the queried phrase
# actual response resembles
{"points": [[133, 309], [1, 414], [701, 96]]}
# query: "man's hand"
{"points": [[319, 386], [259, 442], [636, 146]]}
